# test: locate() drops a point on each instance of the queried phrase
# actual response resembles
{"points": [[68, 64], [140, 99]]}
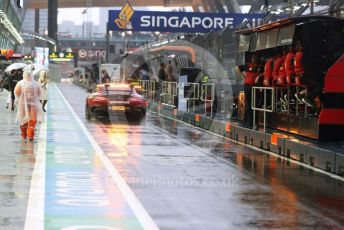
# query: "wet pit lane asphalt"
{"points": [[188, 179], [17, 161]]}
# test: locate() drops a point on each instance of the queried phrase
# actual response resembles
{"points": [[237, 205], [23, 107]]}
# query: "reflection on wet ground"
{"points": [[288, 195], [188, 179], [17, 159]]}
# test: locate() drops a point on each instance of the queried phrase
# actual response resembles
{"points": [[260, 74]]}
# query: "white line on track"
{"points": [[36, 201], [257, 149], [139, 211]]}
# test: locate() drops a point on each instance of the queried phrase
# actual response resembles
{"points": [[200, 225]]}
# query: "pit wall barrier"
{"points": [[317, 156], [289, 147]]}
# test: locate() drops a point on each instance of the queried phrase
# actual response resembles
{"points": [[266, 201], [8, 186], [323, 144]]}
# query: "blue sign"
{"points": [[178, 22]]}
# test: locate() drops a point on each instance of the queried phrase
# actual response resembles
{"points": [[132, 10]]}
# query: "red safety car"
{"points": [[113, 100]]}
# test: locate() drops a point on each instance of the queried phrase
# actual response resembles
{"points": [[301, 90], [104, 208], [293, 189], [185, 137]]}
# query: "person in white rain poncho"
{"points": [[28, 93], [44, 82]]}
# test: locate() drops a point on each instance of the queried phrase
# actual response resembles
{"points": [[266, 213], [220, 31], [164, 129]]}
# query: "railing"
{"points": [[265, 108], [152, 89], [144, 88], [208, 96], [148, 88], [169, 92], [305, 113], [279, 93], [225, 103], [192, 96], [290, 103]]}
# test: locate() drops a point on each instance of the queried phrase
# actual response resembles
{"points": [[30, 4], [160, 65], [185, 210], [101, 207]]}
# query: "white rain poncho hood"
{"points": [[28, 92]]}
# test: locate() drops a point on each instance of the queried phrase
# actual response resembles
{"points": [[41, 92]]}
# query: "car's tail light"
{"points": [[136, 101], [100, 99]]}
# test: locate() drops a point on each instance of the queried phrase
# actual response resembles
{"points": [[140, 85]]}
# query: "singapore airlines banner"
{"points": [[180, 22]]}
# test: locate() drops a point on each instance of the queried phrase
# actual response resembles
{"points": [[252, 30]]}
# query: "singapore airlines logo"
{"points": [[123, 20]]}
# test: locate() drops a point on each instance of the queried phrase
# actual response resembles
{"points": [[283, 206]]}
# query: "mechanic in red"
{"points": [[252, 69], [289, 74], [279, 74], [267, 77], [281, 71], [299, 72], [289, 66], [268, 68], [277, 64]]}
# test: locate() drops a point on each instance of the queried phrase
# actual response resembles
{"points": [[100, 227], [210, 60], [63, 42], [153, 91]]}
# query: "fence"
{"points": [[169, 93], [148, 88], [265, 108], [225, 103], [192, 95], [208, 96], [144, 90]]}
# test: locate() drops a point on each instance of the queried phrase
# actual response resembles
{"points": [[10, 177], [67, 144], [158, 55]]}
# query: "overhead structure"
{"points": [[207, 5], [39, 4], [89, 4], [231, 6], [39, 37], [297, 7], [10, 28], [257, 6], [336, 7], [291, 7], [52, 19]]}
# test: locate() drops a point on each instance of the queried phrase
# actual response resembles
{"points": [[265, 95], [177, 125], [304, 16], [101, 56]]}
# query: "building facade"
{"points": [[29, 21], [12, 15]]}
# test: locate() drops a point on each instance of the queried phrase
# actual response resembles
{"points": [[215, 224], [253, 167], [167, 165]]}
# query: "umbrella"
{"points": [[38, 68], [37, 71], [13, 66]]}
